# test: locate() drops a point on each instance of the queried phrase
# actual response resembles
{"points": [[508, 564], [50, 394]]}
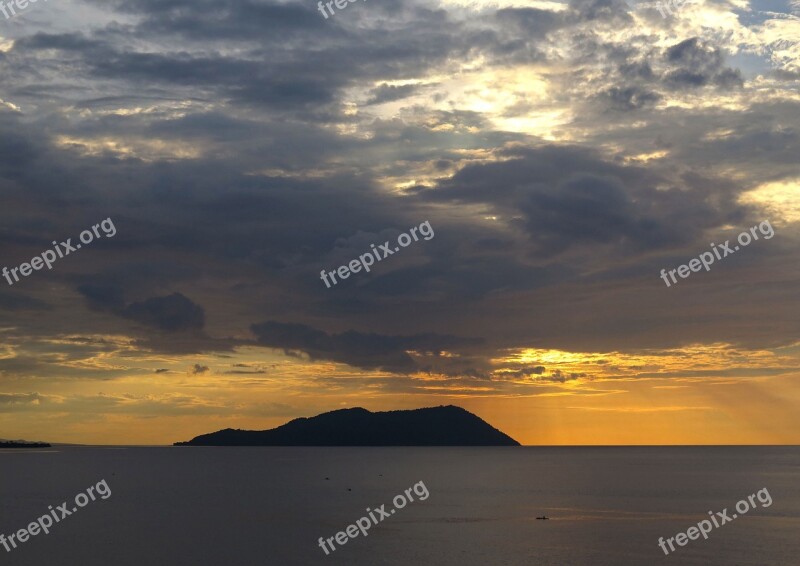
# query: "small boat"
{"points": [[543, 518]]}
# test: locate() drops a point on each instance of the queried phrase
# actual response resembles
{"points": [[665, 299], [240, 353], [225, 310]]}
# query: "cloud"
{"points": [[364, 350], [559, 376], [630, 98], [249, 369], [103, 297], [389, 93], [172, 313], [244, 147], [698, 63], [12, 401], [566, 197], [19, 302]]}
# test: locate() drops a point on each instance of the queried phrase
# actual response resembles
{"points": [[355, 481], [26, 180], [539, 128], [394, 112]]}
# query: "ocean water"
{"points": [[269, 506]]}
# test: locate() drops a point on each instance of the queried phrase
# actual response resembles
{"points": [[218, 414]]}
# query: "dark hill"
{"points": [[434, 426]]}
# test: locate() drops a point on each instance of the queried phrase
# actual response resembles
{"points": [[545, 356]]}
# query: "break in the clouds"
{"points": [[564, 152]]}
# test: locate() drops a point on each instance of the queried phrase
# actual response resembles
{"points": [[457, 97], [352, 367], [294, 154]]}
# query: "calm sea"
{"points": [[269, 506]]}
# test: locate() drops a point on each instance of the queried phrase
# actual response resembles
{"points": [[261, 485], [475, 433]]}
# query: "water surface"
{"points": [[243, 506]]}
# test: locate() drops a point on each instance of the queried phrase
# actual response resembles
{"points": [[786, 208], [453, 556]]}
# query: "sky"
{"points": [[562, 155]]}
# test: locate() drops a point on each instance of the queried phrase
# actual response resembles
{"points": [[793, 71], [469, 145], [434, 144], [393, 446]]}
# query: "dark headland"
{"points": [[434, 426], [22, 444]]}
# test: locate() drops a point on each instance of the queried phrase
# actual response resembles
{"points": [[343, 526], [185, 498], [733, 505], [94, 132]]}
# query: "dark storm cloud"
{"points": [[522, 30], [698, 63], [567, 196], [103, 297], [532, 22], [276, 191], [294, 60], [76, 42], [636, 74], [359, 349], [173, 313], [636, 70], [18, 152], [19, 302], [592, 209], [388, 93], [761, 137], [219, 20], [630, 98]]}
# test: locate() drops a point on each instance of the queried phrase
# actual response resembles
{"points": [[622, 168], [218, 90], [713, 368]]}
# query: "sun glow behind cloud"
{"points": [[779, 199]]}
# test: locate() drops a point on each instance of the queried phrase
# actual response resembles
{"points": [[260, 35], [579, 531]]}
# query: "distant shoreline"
{"points": [[24, 445]]}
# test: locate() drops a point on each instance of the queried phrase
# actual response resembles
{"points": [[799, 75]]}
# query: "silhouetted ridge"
{"points": [[433, 426]]}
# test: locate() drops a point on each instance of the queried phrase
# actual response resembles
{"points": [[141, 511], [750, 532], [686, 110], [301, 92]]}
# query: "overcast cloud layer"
{"points": [[563, 153]]}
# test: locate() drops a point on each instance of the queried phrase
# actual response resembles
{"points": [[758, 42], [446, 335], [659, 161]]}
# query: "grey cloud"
{"points": [[19, 401], [630, 98], [524, 371], [365, 350], [20, 302], [568, 196], [172, 313], [18, 398], [698, 63], [388, 93], [257, 89], [601, 10]]}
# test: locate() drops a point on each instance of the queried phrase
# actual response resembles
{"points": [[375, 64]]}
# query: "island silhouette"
{"points": [[432, 426]]}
